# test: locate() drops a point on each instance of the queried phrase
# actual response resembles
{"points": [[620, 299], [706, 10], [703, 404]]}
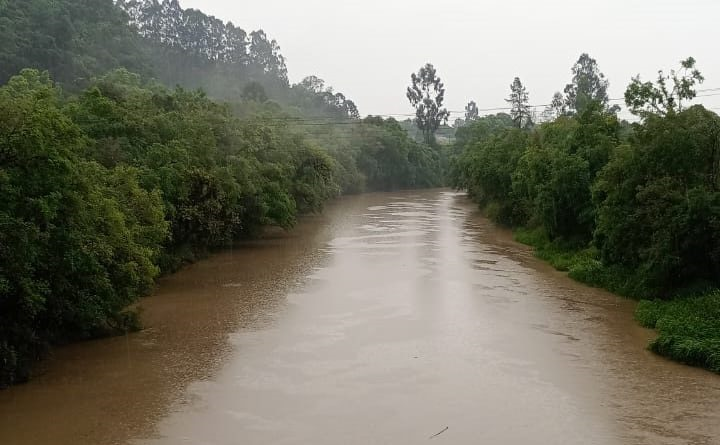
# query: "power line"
{"points": [[322, 121]]}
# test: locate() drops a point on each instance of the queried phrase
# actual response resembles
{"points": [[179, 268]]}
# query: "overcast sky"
{"points": [[368, 49]]}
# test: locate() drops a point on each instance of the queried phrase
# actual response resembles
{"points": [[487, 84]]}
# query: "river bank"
{"points": [[110, 390], [688, 325], [388, 318]]}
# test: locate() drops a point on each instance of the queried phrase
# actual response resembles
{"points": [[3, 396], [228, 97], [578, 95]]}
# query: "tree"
{"points": [[518, 100], [254, 91], [556, 108], [312, 84], [555, 174], [389, 159], [311, 93], [266, 54], [426, 95], [588, 84], [645, 98], [556, 185], [471, 111], [486, 168], [345, 106], [659, 202]]}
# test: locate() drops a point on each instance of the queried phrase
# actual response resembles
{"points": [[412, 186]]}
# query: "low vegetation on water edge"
{"points": [[688, 324], [582, 263], [688, 328], [630, 207]]}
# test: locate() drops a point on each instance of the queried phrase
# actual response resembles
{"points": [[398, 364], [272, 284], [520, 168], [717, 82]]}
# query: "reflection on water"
{"points": [[386, 320]]}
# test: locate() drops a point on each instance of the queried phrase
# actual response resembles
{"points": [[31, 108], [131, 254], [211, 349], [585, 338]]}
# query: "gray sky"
{"points": [[367, 49]]}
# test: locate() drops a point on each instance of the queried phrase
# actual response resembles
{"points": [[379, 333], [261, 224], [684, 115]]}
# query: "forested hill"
{"points": [[195, 50], [72, 39], [115, 168], [76, 40]]}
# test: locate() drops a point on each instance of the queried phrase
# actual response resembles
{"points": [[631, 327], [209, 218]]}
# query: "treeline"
{"points": [[192, 49], [109, 178], [634, 208], [77, 40]]}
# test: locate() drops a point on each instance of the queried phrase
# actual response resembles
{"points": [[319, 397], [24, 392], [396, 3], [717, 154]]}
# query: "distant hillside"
{"points": [[77, 40], [74, 40]]}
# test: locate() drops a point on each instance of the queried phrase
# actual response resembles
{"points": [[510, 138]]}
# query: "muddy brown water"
{"points": [[389, 319]]}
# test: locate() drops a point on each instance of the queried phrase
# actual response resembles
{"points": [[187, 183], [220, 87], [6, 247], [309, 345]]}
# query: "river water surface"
{"points": [[389, 319]]}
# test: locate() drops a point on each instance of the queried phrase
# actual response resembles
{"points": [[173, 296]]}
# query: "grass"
{"points": [[561, 257], [688, 325], [688, 328], [582, 264]]}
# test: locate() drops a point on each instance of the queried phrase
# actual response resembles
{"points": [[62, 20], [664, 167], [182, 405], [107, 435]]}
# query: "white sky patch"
{"points": [[367, 49]]}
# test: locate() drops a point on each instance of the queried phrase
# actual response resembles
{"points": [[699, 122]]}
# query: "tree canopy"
{"points": [[588, 85], [645, 98], [518, 100], [426, 94]]}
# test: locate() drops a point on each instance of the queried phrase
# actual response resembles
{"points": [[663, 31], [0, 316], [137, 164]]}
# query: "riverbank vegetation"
{"points": [[633, 208], [115, 168]]}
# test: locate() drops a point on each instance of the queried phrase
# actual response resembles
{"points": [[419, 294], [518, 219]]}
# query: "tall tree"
{"points": [[471, 111], [254, 91], [266, 53], [645, 98], [518, 100], [556, 108], [312, 93], [588, 85], [426, 95]]}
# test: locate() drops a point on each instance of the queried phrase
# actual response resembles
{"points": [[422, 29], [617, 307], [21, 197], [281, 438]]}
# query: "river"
{"points": [[394, 318]]}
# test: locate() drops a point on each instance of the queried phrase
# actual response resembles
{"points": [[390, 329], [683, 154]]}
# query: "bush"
{"points": [[659, 202], [688, 328]]}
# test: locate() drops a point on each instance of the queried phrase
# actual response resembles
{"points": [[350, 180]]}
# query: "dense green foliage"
{"points": [[637, 212], [77, 40], [689, 328], [67, 38], [104, 190], [390, 160], [109, 179], [79, 241], [659, 202], [190, 48]]}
